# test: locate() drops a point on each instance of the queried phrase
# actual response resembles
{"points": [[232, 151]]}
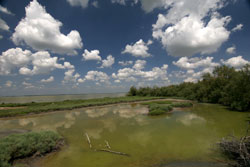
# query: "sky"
{"points": [[107, 46]]}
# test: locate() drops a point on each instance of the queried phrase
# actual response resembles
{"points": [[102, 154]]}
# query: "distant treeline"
{"points": [[226, 86]]}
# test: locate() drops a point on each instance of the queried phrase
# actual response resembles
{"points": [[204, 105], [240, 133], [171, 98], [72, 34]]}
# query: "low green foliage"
{"points": [[66, 105], [162, 107], [226, 86], [159, 109], [25, 145]]}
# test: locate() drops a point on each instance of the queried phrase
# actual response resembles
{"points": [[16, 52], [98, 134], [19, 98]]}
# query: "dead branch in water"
{"points": [[107, 144], [88, 139], [237, 150], [113, 152]]}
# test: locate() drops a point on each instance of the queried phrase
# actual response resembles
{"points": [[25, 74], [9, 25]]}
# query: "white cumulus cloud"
{"points": [[139, 49], [135, 73], [183, 31], [193, 63], [42, 63], [28, 63], [97, 76], [139, 64], [50, 79], [231, 50], [41, 31], [236, 62], [91, 55], [108, 62], [125, 63]]}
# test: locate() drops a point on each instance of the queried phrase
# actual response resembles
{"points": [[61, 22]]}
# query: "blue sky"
{"points": [[105, 46]]}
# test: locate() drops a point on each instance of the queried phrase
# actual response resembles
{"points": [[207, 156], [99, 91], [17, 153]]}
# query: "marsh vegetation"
{"points": [[25, 145]]}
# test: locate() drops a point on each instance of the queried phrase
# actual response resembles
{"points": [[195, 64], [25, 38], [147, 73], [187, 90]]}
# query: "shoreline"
{"points": [[91, 107]]}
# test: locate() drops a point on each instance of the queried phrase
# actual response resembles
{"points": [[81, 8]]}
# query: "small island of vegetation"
{"points": [[162, 107]]}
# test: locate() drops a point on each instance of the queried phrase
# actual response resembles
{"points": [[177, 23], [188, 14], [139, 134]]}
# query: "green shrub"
{"points": [[25, 145], [159, 109]]}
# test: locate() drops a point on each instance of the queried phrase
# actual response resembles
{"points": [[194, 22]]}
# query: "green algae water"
{"points": [[185, 137]]}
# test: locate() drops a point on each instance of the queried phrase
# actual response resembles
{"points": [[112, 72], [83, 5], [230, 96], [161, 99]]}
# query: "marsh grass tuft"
{"points": [[25, 145], [162, 107]]}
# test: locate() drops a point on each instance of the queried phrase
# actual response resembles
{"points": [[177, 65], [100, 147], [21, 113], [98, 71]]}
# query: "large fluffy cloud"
{"points": [[28, 63], [42, 63], [13, 58], [41, 31], [139, 49], [191, 27]]}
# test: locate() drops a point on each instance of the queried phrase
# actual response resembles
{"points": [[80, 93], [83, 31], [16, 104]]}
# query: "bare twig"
{"points": [[107, 144], [88, 139], [113, 152]]}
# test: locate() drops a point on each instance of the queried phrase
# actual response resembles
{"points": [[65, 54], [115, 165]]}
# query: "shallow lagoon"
{"points": [[185, 137]]}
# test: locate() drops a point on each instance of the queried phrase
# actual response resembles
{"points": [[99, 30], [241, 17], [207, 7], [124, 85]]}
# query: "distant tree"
{"points": [[132, 91], [225, 85]]}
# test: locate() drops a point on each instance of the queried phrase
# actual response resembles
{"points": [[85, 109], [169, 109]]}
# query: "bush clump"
{"points": [[18, 146], [236, 150], [157, 109]]}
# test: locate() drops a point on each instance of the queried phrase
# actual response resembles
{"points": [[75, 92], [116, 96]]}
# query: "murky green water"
{"points": [[51, 98], [184, 138]]}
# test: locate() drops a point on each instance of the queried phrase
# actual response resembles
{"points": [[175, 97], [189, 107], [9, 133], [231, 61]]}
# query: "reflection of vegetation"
{"points": [[26, 145], [162, 107], [225, 86], [65, 105]]}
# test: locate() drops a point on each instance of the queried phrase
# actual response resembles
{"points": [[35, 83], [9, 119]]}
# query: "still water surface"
{"points": [[185, 137]]}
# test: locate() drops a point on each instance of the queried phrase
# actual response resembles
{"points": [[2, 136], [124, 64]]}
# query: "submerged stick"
{"points": [[107, 144], [90, 146], [113, 152]]}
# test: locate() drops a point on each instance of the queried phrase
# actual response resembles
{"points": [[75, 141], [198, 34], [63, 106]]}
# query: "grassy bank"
{"points": [[162, 107], [27, 108], [19, 146]]}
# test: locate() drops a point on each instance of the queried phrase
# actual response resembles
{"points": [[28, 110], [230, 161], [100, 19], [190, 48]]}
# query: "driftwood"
{"points": [[113, 152], [107, 144], [90, 146], [104, 150]]}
